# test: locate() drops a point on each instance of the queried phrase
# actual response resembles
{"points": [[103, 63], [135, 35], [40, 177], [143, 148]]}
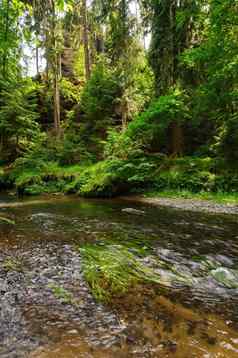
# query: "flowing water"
{"points": [[47, 309]]}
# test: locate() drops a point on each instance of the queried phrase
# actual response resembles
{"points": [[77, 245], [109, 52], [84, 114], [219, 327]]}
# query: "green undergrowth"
{"points": [[112, 269], [46, 178], [157, 174], [204, 177]]}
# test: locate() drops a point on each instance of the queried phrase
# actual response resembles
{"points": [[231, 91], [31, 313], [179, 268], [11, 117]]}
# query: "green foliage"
{"points": [[214, 62], [113, 269], [61, 293], [70, 91], [196, 182], [227, 139], [192, 174], [119, 176], [119, 145], [99, 180], [112, 177], [18, 115], [10, 36], [34, 175], [150, 127], [98, 97]]}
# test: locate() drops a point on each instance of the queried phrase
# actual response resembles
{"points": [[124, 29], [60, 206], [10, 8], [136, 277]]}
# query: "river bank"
{"points": [[214, 205], [187, 204]]}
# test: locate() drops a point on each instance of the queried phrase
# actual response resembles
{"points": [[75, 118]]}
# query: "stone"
{"points": [[133, 211], [228, 278]]}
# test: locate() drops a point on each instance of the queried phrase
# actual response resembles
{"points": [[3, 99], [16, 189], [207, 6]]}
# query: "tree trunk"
{"points": [[56, 106], [85, 40], [37, 61], [177, 130], [124, 111], [56, 64], [177, 139], [6, 39]]}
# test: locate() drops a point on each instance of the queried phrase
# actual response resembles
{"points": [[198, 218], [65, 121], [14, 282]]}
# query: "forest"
{"points": [[110, 97], [118, 178]]}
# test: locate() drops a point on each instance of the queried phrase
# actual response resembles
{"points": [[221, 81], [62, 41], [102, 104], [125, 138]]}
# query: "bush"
{"points": [[175, 180], [121, 146]]}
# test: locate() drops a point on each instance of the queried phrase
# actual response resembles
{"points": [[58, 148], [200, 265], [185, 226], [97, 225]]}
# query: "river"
{"points": [[47, 307]]}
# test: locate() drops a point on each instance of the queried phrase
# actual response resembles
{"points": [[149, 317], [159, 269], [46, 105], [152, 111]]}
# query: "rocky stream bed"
{"points": [[47, 308]]}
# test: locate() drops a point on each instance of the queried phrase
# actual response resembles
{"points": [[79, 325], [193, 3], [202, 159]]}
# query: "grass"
{"points": [[112, 269], [7, 221], [219, 197]]}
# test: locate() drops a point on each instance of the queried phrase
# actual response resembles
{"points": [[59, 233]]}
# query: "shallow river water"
{"points": [[192, 312]]}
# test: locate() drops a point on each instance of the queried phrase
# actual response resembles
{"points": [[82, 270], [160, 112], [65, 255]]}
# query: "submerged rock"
{"points": [[228, 278], [133, 211], [224, 260]]}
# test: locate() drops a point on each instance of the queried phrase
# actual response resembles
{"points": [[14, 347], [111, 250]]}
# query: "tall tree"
{"points": [[48, 22], [87, 60], [123, 49], [171, 26]]}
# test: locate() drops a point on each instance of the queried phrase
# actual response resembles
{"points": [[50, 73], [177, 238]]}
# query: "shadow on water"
{"points": [[47, 308]]}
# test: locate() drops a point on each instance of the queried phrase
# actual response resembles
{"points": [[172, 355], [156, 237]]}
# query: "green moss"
{"points": [[61, 293], [12, 264]]}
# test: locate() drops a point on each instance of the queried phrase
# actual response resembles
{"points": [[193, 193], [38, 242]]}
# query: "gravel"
{"points": [[187, 204]]}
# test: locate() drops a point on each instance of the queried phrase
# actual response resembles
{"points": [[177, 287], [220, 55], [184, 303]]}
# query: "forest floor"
{"points": [[217, 204]]}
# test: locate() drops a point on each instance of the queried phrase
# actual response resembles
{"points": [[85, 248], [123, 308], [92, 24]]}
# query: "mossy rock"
{"points": [[228, 278]]}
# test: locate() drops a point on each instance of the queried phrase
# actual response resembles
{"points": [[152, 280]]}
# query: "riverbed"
{"points": [[48, 309]]}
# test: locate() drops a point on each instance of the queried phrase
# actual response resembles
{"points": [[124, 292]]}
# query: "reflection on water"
{"points": [[47, 309]]}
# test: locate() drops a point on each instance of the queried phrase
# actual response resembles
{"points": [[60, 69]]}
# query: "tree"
{"points": [[47, 17], [87, 60], [10, 35], [125, 55], [215, 61], [171, 27]]}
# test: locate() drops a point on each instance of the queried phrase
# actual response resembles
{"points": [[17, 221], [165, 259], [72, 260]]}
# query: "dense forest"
{"points": [[121, 117], [106, 97]]}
